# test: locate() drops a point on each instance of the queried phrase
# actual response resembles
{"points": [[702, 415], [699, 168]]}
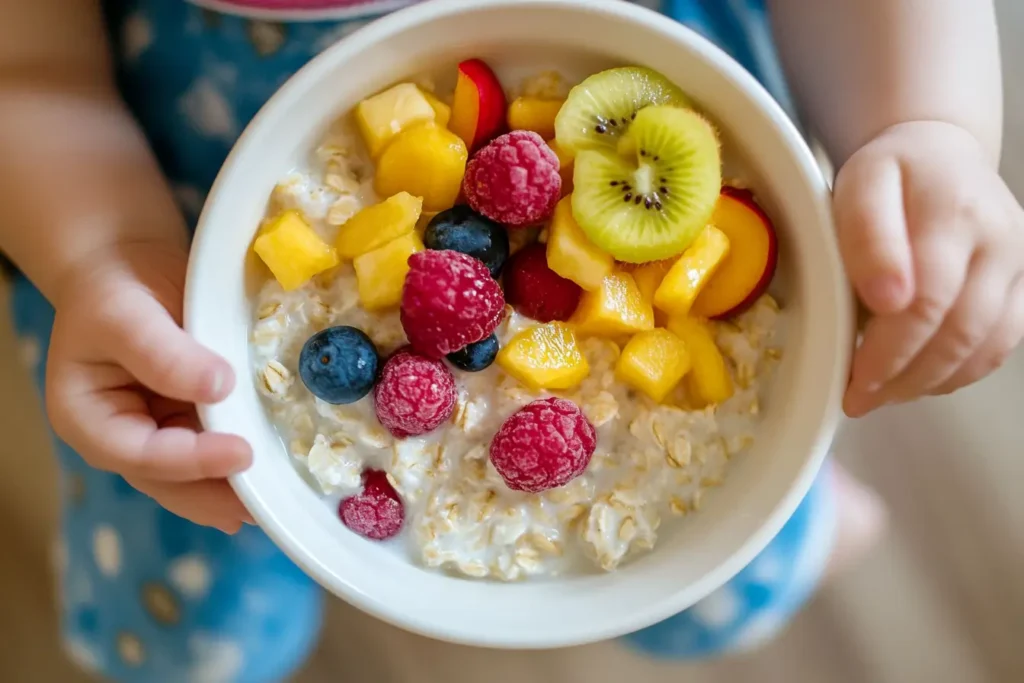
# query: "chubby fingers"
{"points": [[210, 503], [98, 413], [151, 346]]}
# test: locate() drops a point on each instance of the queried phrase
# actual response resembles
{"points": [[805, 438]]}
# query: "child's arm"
{"points": [[88, 217], [861, 66], [906, 96]]}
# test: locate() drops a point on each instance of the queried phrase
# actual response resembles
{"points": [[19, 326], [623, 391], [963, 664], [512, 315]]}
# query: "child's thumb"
{"points": [[872, 228]]}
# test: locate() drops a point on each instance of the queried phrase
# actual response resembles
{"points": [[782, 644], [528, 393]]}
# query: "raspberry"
{"points": [[535, 290], [546, 444], [414, 395], [449, 301], [514, 180], [377, 512]]}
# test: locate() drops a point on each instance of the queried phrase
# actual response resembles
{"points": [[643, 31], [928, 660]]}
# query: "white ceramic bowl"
{"points": [[764, 486]]}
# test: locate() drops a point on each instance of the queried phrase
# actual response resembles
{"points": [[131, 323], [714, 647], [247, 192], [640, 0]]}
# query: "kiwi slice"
{"points": [[649, 198], [600, 109]]}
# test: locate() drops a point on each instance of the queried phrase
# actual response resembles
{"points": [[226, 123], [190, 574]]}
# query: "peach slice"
{"points": [[748, 269], [479, 104]]}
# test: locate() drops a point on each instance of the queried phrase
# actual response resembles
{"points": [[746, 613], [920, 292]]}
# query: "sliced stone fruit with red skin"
{"points": [[748, 269], [479, 104]]}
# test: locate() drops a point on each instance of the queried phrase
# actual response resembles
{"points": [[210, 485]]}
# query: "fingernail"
{"points": [[884, 292], [219, 381]]}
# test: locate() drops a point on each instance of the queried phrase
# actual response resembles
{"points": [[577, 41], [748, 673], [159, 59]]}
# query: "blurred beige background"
{"points": [[941, 600]]}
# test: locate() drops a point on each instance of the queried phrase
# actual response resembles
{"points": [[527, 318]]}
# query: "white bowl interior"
{"points": [[764, 485]]}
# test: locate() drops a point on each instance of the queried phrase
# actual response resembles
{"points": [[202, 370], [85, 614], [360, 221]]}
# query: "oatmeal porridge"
{"points": [[517, 352]]}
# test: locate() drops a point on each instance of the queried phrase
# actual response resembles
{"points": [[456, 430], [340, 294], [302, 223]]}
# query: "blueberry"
{"points": [[339, 365], [462, 229], [477, 356]]}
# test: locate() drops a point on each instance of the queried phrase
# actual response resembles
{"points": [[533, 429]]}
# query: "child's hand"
{"points": [[123, 378], [933, 241]]}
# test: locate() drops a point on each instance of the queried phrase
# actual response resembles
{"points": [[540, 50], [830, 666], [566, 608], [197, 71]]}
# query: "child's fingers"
{"points": [[113, 430], [891, 342], [208, 503], [966, 327], [872, 229], [167, 360], [994, 351]]}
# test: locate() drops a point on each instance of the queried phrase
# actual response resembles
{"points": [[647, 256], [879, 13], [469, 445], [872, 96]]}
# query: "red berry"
{"points": [[377, 512], [414, 395], [449, 301], [546, 444], [514, 180], [535, 290]]}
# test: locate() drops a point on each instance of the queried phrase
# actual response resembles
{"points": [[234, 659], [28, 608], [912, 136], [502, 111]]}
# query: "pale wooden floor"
{"points": [[942, 599]]}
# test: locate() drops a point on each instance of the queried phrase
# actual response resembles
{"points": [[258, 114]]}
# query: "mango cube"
{"points": [[709, 383], [293, 251], [426, 161], [376, 225], [545, 357], [614, 309], [653, 362], [649, 277], [682, 284], [534, 113], [380, 274], [565, 166], [384, 115], [442, 112], [571, 254]]}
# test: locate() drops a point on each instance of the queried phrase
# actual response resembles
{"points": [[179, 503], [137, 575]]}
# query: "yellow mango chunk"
{"points": [[649, 277], [571, 254], [545, 357], [534, 113], [380, 274], [682, 284], [381, 117], [376, 225], [653, 362], [442, 112], [614, 309], [426, 161], [565, 166], [293, 251], [709, 383]]}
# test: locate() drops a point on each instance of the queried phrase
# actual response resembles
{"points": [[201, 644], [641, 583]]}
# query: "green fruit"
{"points": [[649, 199], [600, 109]]}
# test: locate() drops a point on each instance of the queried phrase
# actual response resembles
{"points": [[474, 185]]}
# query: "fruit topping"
{"points": [[535, 290], [748, 268], [338, 365], [571, 254], [293, 251], [415, 394], [545, 357], [601, 108], [478, 106], [615, 308], [649, 199], [709, 382], [464, 230], [377, 513], [477, 356], [565, 166], [442, 112], [653, 362], [380, 274], [514, 180], [385, 115], [688, 275], [546, 444], [376, 225], [650, 275], [426, 161], [449, 301], [534, 113]]}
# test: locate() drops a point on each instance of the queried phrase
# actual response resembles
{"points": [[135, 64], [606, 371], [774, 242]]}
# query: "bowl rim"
{"points": [[314, 72]]}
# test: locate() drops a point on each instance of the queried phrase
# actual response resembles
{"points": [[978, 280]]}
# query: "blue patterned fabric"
{"points": [[147, 597]]}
